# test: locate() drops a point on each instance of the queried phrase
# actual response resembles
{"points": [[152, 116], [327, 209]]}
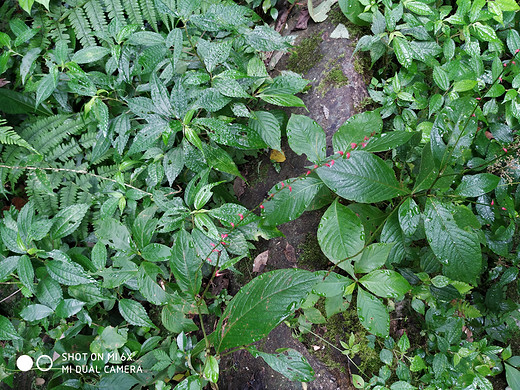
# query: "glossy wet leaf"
{"points": [[289, 363], [386, 283], [306, 136], [476, 185], [372, 313], [134, 313]]}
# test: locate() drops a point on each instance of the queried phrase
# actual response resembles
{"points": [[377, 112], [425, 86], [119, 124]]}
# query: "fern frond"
{"points": [[133, 11], [49, 140], [96, 15], [9, 137], [44, 202], [149, 13], [115, 11], [58, 32], [34, 130], [68, 194], [63, 152], [81, 26]]}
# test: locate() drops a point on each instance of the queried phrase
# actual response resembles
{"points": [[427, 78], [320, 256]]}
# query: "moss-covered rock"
{"points": [[306, 55]]}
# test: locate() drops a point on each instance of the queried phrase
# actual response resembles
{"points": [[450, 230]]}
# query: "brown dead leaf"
{"points": [[239, 186], [303, 19], [260, 261], [290, 254], [489, 135], [277, 156]]}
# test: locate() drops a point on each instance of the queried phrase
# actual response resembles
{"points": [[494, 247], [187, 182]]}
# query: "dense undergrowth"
{"points": [[124, 122]]}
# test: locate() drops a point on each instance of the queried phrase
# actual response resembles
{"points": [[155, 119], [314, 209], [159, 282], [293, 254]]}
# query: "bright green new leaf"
{"points": [[372, 313], [210, 370], [90, 54], [386, 283], [68, 307], [364, 178], [306, 136], [464, 85], [261, 305]]}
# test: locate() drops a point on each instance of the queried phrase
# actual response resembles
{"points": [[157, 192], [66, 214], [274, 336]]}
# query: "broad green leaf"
{"points": [[160, 96], [26, 5], [46, 87], [464, 85], [363, 178], [26, 272], [147, 284], [403, 52], [7, 330], [113, 338], [266, 124], [261, 305], [35, 312], [134, 313], [219, 159], [89, 54], [175, 321], [70, 274], [476, 185], [113, 233], [387, 141], [173, 162], [27, 61], [306, 136], [484, 32], [284, 100], [508, 5], [418, 8], [68, 220], [372, 313], [49, 292], [513, 40], [291, 201], [409, 216], [230, 88], [146, 38], [68, 307], [386, 283], [156, 252], [213, 53], [185, 264], [373, 256], [99, 255], [14, 102], [356, 128], [289, 363], [233, 213], [513, 377], [440, 76], [340, 233], [331, 285], [457, 249], [264, 38]]}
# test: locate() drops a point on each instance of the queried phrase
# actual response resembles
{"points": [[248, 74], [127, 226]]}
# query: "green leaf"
{"points": [[476, 185], [173, 162], [265, 38], [513, 377], [401, 385], [46, 87], [386, 283], [291, 201], [35, 312], [261, 305], [457, 249], [356, 128], [364, 178], [219, 159], [464, 85], [146, 38], [403, 52], [70, 274], [68, 220], [508, 5], [289, 363], [372, 314], [134, 313], [14, 102], [266, 124], [113, 338], [26, 272], [230, 88], [403, 343], [175, 321], [113, 233], [185, 264], [284, 100], [306, 136], [440, 76], [409, 216], [418, 8], [26, 5], [156, 252], [99, 255], [160, 96], [90, 54], [7, 330], [373, 256], [387, 141], [484, 32], [417, 364], [340, 233], [49, 292], [27, 61], [69, 307], [213, 53], [210, 370]]}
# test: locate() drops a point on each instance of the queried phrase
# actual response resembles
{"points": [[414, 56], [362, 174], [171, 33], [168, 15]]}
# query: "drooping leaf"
{"points": [[266, 124], [289, 363], [409, 216], [134, 313], [26, 272], [476, 185], [372, 313], [261, 305], [457, 249], [185, 264], [306, 136]]}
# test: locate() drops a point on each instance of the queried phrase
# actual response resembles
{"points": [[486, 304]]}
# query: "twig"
{"points": [[13, 294]]}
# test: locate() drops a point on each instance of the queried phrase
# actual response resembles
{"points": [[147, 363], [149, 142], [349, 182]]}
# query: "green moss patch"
{"points": [[335, 78], [306, 55]]}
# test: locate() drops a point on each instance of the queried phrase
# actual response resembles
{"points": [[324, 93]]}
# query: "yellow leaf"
{"points": [[277, 156]]}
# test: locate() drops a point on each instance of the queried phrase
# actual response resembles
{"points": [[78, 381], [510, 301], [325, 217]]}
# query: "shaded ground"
{"points": [[330, 102]]}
